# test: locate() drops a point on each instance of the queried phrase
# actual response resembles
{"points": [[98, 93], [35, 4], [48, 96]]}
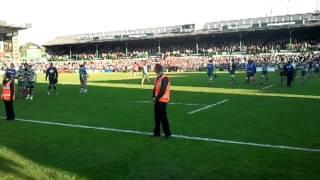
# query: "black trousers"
{"points": [[289, 79], [160, 117], [9, 110]]}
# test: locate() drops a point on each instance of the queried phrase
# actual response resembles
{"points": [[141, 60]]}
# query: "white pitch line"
{"points": [[267, 87], [173, 103], [84, 127], [175, 136], [209, 106]]}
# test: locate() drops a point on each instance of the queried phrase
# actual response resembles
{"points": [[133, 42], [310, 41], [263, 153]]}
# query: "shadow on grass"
{"points": [[10, 168]]}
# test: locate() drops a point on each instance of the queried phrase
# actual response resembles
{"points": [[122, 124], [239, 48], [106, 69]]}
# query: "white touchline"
{"points": [[175, 136], [268, 86], [209, 106], [173, 103]]}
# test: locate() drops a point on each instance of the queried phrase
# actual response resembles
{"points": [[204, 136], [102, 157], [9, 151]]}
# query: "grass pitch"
{"points": [[276, 116]]}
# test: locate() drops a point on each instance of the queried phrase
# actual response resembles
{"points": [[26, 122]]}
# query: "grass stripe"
{"points": [[175, 136]]}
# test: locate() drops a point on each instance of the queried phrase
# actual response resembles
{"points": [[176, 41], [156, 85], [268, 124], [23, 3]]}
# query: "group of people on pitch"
{"points": [[161, 91], [287, 71], [26, 77]]}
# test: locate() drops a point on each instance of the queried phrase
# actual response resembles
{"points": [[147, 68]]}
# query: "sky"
{"points": [[53, 18]]}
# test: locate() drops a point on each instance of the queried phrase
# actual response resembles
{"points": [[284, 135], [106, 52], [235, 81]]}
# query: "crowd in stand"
{"points": [[230, 47], [175, 64]]}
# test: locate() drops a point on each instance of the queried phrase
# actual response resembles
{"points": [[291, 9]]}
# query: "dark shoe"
{"points": [[167, 136]]}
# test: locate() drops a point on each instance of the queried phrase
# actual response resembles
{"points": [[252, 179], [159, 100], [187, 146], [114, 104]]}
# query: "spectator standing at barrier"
{"points": [[264, 73], [161, 97], [52, 73], [8, 96], [317, 68], [310, 67], [135, 69]]}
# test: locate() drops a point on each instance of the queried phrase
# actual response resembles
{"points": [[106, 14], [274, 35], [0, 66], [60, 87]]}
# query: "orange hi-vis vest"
{"points": [[6, 92], [157, 85]]}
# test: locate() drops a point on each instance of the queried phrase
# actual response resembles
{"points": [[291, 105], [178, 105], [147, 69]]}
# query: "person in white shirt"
{"points": [[145, 74]]}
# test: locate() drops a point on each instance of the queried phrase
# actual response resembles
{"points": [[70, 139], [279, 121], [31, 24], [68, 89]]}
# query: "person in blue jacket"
{"points": [[251, 71]]}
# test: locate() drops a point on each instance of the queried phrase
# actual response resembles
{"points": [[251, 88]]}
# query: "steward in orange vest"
{"points": [[161, 96], [8, 96]]}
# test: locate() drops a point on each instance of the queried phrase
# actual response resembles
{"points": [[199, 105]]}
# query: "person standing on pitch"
{"points": [[11, 72], [303, 68], [282, 70], [145, 74], [161, 97], [83, 78], [290, 73], [31, 80], [264, 73], [8, 96], [251, 71], [210, 69], [21, 76], [52, 72], [232, 70]]}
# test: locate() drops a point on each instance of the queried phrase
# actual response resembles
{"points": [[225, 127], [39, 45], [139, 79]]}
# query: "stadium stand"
{"points": [[9, 46], [289, 33]]}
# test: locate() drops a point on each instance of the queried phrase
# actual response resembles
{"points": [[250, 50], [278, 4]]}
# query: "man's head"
{"points": [[26, 65], [158, 69], [12, 65], [51, 64]]}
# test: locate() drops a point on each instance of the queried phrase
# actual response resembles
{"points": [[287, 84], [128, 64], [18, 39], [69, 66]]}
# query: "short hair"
{"points": [[158, 67]]}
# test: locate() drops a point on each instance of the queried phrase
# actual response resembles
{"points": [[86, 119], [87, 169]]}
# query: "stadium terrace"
{"points": [[9, 46], [245, 36]]}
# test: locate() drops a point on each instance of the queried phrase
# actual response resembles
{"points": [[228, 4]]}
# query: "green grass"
{"points": [[277, 116]]}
